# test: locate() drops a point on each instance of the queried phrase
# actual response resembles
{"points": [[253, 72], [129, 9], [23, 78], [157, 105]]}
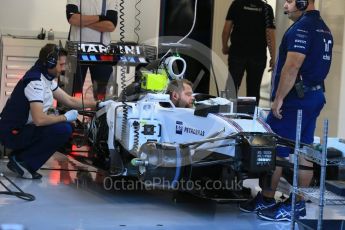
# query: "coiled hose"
{"points": [[136, 126], [123, 74], [122, 20], [137, 20]]}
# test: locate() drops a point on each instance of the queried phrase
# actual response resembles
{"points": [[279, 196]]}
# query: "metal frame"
{"points": [[317, 194]]}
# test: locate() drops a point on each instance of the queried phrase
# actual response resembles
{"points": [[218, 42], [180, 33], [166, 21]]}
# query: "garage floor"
{"points": [[78, 201]]}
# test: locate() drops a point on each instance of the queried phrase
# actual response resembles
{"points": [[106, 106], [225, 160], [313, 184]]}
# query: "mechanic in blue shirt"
{"points": [[25, 125], [304, 60]]}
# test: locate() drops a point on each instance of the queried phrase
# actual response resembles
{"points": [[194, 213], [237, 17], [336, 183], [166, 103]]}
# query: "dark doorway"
{"points": [[176, 20]]}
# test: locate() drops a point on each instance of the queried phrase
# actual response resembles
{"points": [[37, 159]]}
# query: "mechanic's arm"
{"points": [[74, 18], [86, 20], [271, 44], [101, 23], [226, 35], [40, 118], [103, 26], [107, 23], [287, 80], [72, 102], [270, 34]]}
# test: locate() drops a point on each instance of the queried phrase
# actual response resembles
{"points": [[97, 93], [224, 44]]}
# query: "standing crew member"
{"points": [[250, 26], [304, 60], [97, 19]]}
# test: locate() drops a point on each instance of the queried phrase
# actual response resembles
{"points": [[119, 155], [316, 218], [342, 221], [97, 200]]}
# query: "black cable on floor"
{"points": [[69, 170], [21, 194]]}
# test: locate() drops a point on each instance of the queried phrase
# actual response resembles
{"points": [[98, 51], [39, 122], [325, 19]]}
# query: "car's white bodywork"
{"points": [[174, 125]]}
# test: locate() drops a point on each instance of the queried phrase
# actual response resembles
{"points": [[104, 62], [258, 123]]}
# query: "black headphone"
{"points": [[302, 4], [52, 58]]}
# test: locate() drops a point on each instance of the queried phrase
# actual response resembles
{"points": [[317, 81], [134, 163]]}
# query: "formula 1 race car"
{"points": [[206, 151], [201, 150]]}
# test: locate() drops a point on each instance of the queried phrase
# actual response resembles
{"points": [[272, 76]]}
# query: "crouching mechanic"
{"points": [[25, 126], [181, 93]]}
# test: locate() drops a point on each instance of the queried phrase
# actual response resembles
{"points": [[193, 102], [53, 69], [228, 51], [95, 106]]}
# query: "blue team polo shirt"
{"points": [[35, 86], [310, 36]]}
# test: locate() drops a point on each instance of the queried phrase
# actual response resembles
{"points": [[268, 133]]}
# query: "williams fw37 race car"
{"points": [[207, 151]]}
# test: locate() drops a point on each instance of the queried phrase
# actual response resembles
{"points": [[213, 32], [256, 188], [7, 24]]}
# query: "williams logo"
{"points": [[179, 127]]}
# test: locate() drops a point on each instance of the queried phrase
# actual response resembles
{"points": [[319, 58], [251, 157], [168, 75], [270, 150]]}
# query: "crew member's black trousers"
{"points": [[100, 75], [254, 66]]}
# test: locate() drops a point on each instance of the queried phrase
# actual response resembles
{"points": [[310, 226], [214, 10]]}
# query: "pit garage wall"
{"points": [[332, 11], [27, 17], [218, 59], [341, 123]]}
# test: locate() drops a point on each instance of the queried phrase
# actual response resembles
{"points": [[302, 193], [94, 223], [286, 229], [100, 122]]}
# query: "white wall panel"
{"points": [[27, 17]]}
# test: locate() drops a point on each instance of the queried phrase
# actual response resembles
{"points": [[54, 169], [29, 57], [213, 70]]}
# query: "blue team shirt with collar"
{"points": [[33, 87], [311, 37]]}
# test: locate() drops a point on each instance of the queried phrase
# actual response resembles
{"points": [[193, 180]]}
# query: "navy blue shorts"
{"points": [[311, 107]]}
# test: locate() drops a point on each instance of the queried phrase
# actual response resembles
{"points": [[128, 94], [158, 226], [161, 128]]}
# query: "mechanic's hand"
{"points": [[103, 104], [276, 108], [71, 115], [225, 50], [271, 65]]}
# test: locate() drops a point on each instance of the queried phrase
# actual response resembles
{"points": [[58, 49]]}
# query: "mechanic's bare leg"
{"points": [[304, 176], [265, 199], [269, 193]]}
